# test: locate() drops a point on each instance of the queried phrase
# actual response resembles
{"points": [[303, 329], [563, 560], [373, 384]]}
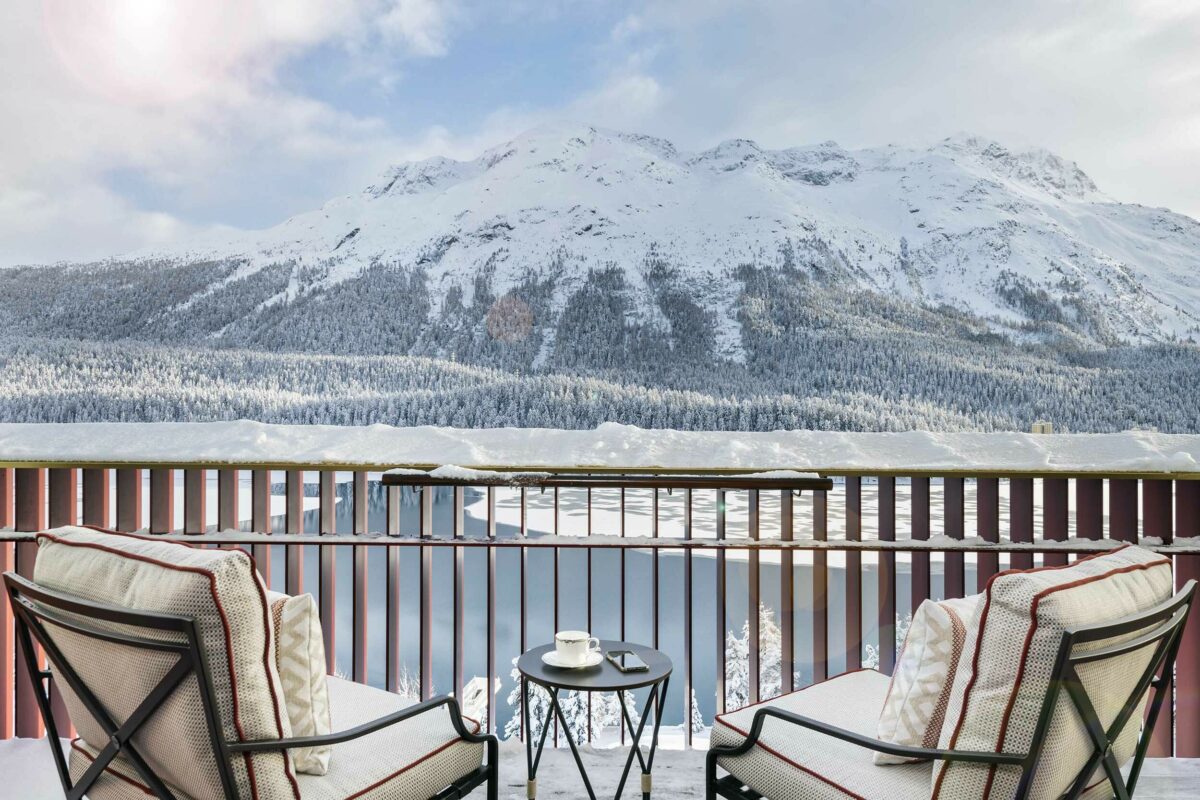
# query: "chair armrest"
{"points": [[900, 750], [271, 745]]}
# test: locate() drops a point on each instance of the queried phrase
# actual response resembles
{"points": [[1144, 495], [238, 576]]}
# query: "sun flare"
{"points": [[128, 51]]}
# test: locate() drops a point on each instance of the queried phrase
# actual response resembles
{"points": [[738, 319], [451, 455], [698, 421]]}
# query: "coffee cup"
{"points": [[574, 647]]}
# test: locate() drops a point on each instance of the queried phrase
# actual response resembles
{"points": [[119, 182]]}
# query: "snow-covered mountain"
{"points": [[1011, 236]]}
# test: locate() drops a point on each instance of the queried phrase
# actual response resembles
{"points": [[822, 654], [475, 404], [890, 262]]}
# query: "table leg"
{"points": [[571, 741], [659, 702], [656, 699], [635, 745], [629, 724], [531, 770], [533, 760]]}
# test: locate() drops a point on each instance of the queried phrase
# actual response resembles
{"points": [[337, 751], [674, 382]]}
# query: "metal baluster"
{"points": [[1055, 517], [425, 634], [754, 668], [1123, 509], [654, 576], [787, 607], [458, 593], [359, 639], [393, 591], [1089, 508], [720, 603], [853, 574], [1187, 667], [1156, 505], [228, 514], [63, 508], [955, 523], [524, 568], [8, 563], [29, 515], [96, 500], [327, 526], [590, 623], [294, 524], [491, 609], [195, 497], [987, 511], [129, 500], [820, 589], [921, 589], [260, 519], [162, 500], [886, 594], [1020, 519], [688, 685]]}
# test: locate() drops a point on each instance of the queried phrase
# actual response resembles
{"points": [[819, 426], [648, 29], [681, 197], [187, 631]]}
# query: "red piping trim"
{"points": [[159, 538], [132, 535], [1025, 650], [721, 719], [109, 769], [212, 582], [132, 782]]}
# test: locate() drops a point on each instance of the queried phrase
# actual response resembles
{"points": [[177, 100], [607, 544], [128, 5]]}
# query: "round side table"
{"points": [[603, 677]]}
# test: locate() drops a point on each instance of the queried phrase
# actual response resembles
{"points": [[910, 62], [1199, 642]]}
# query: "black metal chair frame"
{"points": [[1160, 627], [34, 606]]}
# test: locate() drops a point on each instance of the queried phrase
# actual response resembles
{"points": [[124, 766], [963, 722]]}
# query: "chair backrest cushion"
{"points": [[1002, 679], [222, 591]]}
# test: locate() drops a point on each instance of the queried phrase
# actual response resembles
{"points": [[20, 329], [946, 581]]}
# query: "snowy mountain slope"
{"points": [[1011, 236]]}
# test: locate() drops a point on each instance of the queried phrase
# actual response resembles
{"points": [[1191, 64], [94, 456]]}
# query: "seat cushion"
{"points": [[1000, 689], [924, 675], [794, 763], [412, 760], [300, 657], [221, 590]]}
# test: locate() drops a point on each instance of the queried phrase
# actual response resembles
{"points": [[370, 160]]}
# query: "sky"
{"points": [[127, 124]]}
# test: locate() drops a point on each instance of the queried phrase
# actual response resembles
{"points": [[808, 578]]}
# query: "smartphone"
{"points": [[627, 661]]}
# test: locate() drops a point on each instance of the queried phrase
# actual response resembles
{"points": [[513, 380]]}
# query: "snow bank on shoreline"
{"points": [[609, 446]]}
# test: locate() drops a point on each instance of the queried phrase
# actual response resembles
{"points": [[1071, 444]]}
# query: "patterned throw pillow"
{"points": [[300, 657], [920, 689]]}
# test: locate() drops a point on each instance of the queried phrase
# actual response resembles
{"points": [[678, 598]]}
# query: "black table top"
{"points": [[603, 677]]}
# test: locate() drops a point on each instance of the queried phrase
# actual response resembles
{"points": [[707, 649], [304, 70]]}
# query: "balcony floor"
{"points": [[29, 774]]}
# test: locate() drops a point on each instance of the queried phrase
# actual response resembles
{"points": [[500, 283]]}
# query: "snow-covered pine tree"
{"points": [[605, 711], [737, 660]]}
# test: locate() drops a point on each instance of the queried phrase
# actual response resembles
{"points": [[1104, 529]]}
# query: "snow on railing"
{"points": [[608, 447]]}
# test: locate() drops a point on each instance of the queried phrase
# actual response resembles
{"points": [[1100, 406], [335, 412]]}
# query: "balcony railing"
{"points": [[426, 580]]}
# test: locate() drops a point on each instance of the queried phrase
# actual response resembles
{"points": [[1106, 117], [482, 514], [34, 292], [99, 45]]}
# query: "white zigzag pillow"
{"points": [[920, 689], [300, 656]]}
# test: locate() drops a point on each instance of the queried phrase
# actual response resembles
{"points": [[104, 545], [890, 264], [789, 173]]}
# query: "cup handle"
{"points": [[593, 645]]}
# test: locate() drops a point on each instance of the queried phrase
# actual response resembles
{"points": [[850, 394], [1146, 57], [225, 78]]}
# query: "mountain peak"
{"points": [[1036, 167], [1007, 234]]}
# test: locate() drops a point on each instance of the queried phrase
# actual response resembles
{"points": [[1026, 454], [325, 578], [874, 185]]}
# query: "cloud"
{"points": [[129, 122], [187, 97], [1113, 84], [422, 25]]}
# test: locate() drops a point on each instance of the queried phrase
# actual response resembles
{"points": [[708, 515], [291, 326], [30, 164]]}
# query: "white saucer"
{"points": [[551, 659]]}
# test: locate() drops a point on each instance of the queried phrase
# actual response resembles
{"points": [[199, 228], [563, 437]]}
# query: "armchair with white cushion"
{"points": [[1058, 681], [165, 658]]}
